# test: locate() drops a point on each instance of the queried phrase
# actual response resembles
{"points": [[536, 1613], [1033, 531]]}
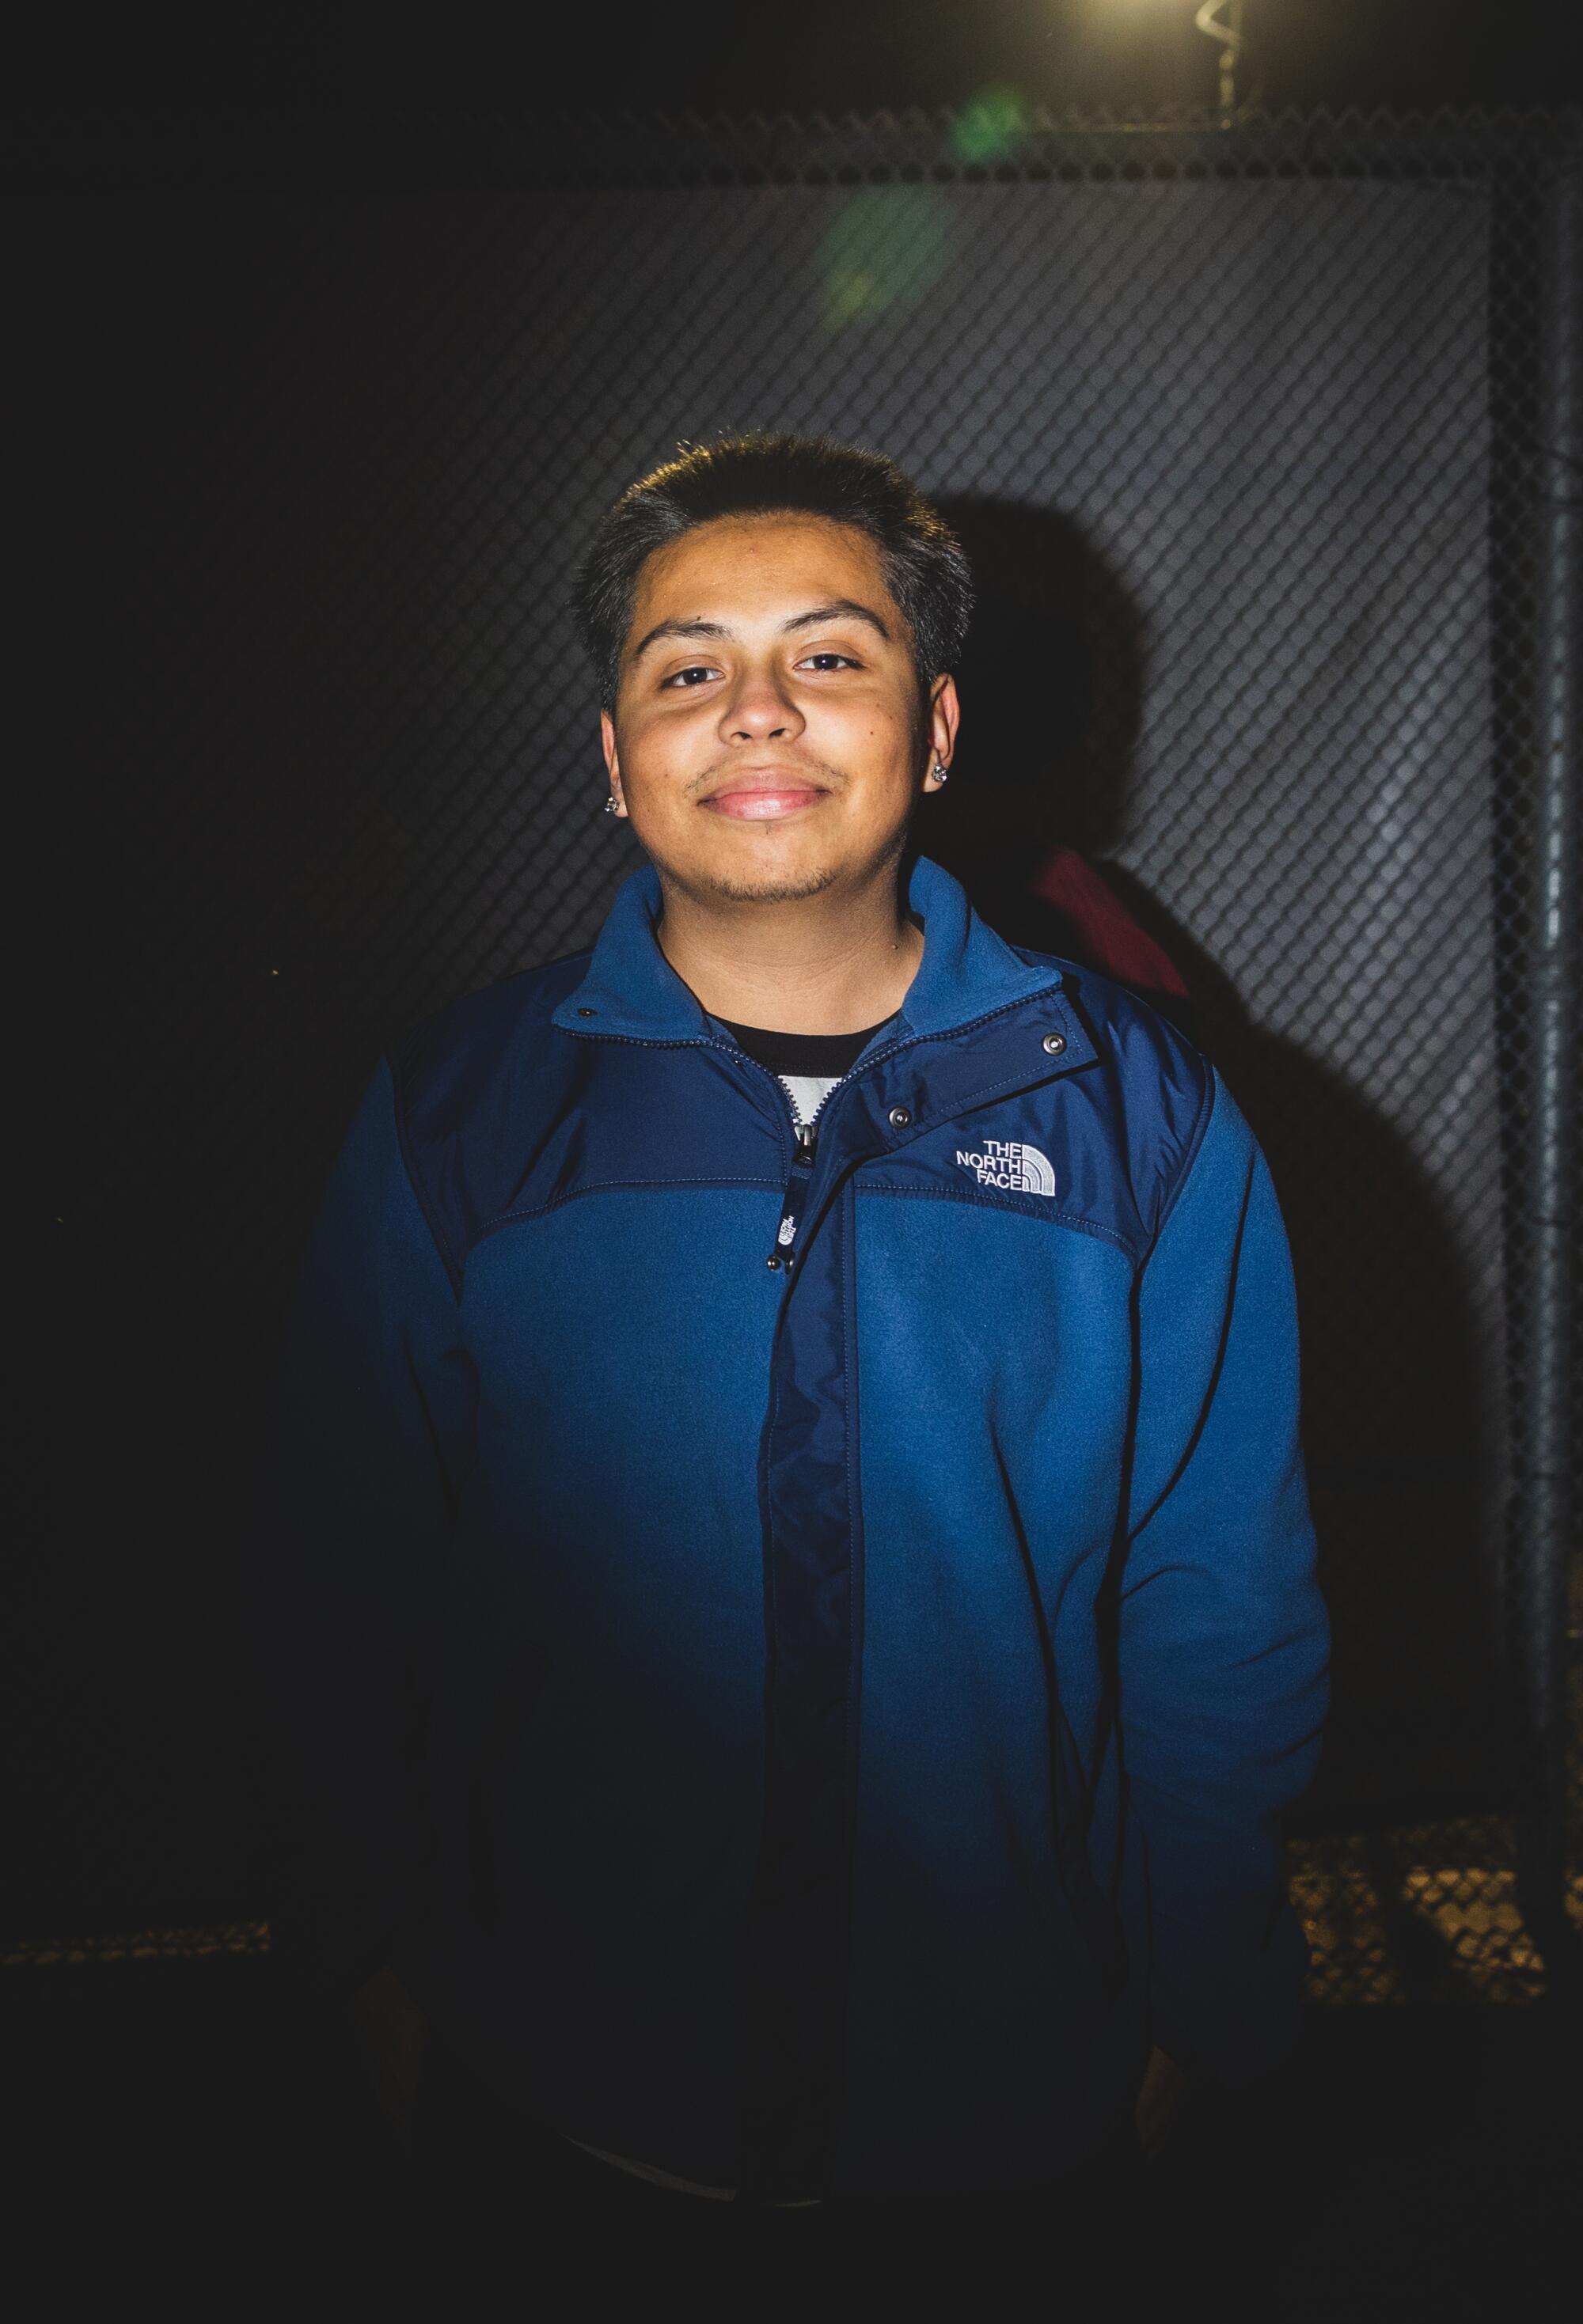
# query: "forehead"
{"points": [[742, 569]]}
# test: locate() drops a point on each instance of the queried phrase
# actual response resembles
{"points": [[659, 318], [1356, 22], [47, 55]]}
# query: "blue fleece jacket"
{"points": [[799, 1652]]}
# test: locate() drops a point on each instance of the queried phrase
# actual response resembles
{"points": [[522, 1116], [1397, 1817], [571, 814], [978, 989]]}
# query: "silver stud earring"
{"points": [[610, 804], [939, 773]]}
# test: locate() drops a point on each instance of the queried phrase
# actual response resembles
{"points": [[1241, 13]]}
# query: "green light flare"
{"points": [[888, 248], [989, 125]]}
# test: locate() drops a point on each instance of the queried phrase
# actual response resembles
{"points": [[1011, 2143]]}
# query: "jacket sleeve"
{"points": [[1223, 1638], [368, 1441]]}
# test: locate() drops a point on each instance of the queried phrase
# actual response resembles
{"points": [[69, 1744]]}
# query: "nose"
{"points": [[760, 711]]}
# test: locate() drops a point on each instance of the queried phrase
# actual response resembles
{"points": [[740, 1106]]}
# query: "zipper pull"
{"points": [[802, 1159]]}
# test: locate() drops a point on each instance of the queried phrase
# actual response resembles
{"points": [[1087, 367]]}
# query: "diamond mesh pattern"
{"points": [[1247, 430]]}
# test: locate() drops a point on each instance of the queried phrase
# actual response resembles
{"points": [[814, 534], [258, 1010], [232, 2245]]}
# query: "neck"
{"points": [[835, 962]]}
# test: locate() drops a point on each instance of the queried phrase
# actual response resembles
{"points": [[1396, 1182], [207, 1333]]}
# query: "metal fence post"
{"points": [[1543, 1480]]}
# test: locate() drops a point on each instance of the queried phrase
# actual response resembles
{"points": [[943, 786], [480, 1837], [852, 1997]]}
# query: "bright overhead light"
{"points": [[1227, 30]]}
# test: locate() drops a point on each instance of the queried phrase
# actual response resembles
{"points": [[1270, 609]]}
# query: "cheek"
{"points": [[874, 734], [659, 747]]}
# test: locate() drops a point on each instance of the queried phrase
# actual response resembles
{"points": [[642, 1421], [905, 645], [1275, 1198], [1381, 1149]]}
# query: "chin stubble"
{"points": [[774, 887]]}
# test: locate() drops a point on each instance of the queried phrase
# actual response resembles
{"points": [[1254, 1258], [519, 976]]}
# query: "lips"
{"points": [[763, 797]]}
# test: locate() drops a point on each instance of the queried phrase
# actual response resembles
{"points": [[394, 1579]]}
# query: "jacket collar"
{"points": [[630, 990]]}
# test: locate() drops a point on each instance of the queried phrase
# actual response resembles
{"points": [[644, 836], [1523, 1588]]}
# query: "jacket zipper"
{"points": [[797, 1184], [804, 1154]]}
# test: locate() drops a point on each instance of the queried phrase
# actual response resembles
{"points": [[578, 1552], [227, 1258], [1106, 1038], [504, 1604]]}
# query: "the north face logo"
{"points": [[1005, 1163]]}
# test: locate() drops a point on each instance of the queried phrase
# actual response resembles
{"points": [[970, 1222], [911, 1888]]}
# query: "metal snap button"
{"points": [[594, 1012], [1054, 1043], [900, 1117]]}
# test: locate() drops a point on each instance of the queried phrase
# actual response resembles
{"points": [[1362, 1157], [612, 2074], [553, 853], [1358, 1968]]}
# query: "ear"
{"points": [[611, 759], [945, 716]]}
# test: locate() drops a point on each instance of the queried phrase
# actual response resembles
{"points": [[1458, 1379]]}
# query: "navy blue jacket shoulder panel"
{"points": [[1159, 1089], [471, 1082]]}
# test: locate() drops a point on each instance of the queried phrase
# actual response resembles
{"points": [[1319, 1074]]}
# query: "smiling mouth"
{"points": [[764, 803]]}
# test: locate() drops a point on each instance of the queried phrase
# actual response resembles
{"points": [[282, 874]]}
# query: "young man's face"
{"points": [[768, 740]]}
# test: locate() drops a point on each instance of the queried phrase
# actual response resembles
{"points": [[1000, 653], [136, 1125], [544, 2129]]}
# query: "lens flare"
{"points": [[989, 124], [887, 249]]}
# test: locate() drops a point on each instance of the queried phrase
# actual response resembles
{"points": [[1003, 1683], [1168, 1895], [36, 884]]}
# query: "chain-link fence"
{"points": [[1264, 440]]}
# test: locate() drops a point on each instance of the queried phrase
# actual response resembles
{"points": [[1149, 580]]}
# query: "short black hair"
{"points": [[925, 565]]}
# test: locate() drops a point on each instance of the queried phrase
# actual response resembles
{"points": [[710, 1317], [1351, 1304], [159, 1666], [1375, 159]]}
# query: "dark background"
{"points": [[1129, 55]]}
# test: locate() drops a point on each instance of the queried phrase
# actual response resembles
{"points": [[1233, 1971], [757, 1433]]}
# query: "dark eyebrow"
{"points": [[833, 611], [678, 629]]}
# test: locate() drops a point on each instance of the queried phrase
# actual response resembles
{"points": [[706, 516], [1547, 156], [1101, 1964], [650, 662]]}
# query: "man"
{"points": [[786, 1569]]}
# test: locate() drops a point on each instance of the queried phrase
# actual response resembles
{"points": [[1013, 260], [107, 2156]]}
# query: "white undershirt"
{"points": [[807, 1092]]}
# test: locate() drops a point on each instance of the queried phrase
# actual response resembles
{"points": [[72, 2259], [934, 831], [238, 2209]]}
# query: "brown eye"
{"points": [[688, 676]]}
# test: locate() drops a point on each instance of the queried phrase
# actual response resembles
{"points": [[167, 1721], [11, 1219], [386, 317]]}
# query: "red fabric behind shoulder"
{"points": [[1103, 933]]}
